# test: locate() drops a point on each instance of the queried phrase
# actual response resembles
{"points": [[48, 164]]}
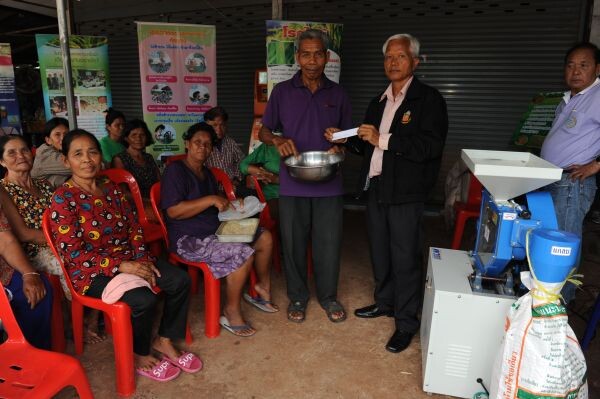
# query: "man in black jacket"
{"points": [[402, 140]]}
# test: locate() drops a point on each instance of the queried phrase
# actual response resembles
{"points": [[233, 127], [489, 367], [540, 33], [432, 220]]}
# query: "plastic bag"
{"points": [[540, 356]]}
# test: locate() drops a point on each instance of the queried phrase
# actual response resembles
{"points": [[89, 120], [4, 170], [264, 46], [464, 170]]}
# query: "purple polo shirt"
{"points": [[178, 184], [575, 135], [303, 117]]}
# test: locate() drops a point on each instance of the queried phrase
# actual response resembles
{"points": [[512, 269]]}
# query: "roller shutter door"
{"points": [[488, 58]]}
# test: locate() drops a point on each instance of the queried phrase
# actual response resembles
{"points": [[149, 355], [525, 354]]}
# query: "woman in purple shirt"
{"points": [[191, 203]]}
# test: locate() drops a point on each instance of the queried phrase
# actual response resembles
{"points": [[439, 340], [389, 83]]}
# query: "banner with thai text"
{"points": [[90, 76], [10, 120], [536, 122], [281, 52], [179, 80]]}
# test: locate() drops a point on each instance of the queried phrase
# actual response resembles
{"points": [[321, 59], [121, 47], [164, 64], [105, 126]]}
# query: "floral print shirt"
{"points": [[30, 207], [6, 270], [94, 234]]}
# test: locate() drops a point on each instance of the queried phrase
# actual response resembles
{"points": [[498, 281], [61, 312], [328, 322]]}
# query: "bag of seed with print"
{"points": [[540, 356]]}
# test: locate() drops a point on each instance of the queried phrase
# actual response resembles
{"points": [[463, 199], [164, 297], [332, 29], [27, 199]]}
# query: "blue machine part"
{"points": [[553, 254], [501, 230]]}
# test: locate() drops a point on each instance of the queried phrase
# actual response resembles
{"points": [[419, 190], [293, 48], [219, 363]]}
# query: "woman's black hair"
{"points": [[215, 112], [136, 124], [74, 134], [53, 124], [159, 127], [201, 127], [10, 137], [112, 114]]}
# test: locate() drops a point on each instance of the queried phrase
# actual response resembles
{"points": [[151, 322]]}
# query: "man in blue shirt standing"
{"points": [[574, 141]]}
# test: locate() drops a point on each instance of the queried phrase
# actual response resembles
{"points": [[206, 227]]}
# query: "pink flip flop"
{"points": [[162, 372], [188, 362]]}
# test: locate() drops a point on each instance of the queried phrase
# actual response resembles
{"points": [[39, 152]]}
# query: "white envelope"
{"points": [[345, 133]]}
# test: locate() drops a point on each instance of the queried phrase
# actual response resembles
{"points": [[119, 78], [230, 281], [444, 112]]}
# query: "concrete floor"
{"points": [[315, 359]]}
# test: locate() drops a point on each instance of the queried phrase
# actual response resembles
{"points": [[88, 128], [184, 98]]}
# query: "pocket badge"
{"points": [[571, 122], [406, 118]]}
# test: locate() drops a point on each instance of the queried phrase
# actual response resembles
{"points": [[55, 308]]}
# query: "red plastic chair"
{"points": [[225, 182], [28, 372], [59, 344], [467, 210], [212, 286], [174, 158], [268, 222], [152, 233], [119, 316]]}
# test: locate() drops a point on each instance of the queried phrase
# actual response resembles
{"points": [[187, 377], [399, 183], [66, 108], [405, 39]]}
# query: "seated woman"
{"points": [[31, 198], [136, 137], [48, 162], [31, 294], [263, 163], [111, 143], [191, 203], [98, 239]]}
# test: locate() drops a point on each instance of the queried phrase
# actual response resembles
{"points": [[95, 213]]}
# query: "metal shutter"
{"points": [[488, 58]]}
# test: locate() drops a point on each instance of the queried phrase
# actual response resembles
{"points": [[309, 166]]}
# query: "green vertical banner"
{"points": [[91, 81], [179, 80], [536, 122], [281, 53], [10, 121]]}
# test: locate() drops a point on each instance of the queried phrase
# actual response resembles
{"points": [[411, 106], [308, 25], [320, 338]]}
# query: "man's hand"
{"points": [[262, 174], [145, 270], [33, 288], [285, 146], [369, 133], [329, 135], [581, 172], [335, 149]]}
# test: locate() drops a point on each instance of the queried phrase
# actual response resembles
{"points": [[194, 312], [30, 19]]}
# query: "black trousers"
{"points": [[175, 284], [299, 217], [395, 233]]}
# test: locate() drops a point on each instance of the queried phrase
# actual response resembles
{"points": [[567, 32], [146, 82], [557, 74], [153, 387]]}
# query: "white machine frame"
{"points": [[460, 330]]}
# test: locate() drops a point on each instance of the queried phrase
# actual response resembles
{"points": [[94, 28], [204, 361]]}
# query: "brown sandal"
{"points": [[296, 312]]}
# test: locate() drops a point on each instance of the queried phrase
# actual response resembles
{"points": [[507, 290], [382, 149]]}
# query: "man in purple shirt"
{"points": [[302, 108], [574, 141]]}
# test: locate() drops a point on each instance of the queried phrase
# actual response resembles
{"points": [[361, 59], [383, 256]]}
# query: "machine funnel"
{"points": [[508, 174]]}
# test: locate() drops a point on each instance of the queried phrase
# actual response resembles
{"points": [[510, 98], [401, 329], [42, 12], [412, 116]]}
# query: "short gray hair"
{"points": [[313, 34], [415, 46]]}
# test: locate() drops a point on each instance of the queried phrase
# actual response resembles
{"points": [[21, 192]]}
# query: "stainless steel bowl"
{"points": [[314, 165]]}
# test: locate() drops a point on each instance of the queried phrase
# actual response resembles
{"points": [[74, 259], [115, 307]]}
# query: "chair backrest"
{"points": [[122, 176], [265, 215], [155, 201], [174, 158], [475, 187], [52, 245], [9, 323], [222, 178]]}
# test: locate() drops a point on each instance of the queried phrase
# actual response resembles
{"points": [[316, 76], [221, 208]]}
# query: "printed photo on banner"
{"points": [[10, 120], [281, 50], [90, 79], [178, 80]]}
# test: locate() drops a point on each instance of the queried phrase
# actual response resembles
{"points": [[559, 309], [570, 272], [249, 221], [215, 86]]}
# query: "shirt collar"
{"points": [[568, 96], [297, 80], [388, 93]]}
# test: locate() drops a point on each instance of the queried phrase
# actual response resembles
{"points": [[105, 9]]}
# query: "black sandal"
{"points": [[335, 307], [296, 312]]}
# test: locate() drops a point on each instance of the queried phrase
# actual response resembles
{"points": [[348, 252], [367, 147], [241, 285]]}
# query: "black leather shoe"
{"points": [[399, 341], [372, 311]]}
